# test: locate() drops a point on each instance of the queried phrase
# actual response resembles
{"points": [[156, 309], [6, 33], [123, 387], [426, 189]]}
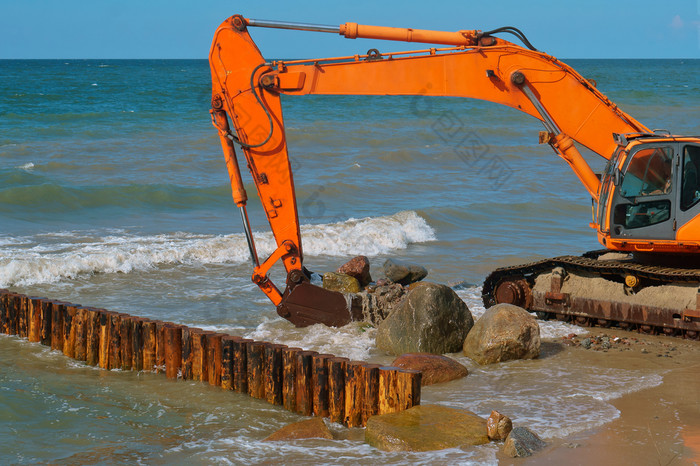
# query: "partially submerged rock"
{"points": [[358, 268], [405, 274], [340, 282], [378, 301], [435, 368], [426, 428], [311, 428], [503, 333], [430, 319], [498, 426], [522, 442]]}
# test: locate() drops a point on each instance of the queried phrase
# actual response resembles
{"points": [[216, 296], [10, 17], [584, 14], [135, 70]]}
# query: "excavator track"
{"points": [[516, 285]]}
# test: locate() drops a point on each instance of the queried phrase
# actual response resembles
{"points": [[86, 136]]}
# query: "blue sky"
{"points": [[183, 28]]}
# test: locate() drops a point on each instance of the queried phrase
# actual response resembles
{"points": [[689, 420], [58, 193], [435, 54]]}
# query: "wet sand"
{"points": [[657, 425]]}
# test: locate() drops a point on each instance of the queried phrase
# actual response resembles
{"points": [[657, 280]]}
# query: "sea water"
{"points": [[114, 193]]}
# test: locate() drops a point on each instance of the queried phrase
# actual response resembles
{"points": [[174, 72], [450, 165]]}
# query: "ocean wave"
{"points": [[60, 256]]}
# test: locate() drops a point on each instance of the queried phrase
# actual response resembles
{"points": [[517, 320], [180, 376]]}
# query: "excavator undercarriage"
{"points": [[603, 289]]}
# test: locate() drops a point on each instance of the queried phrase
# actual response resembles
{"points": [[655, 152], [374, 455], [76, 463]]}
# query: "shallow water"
{"points": [[113, 193]]}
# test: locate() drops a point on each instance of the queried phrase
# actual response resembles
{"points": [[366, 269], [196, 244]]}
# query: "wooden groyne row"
{"points": [[304, 382]]}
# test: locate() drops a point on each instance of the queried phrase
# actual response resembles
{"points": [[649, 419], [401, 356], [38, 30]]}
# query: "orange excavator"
{"points": [[646, 204]]}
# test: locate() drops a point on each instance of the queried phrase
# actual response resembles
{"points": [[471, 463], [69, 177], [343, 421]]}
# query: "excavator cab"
{"points": [[649, 193]]}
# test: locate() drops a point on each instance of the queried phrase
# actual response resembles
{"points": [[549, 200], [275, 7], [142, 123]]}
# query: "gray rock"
{"points": [[522, 442], [377, 302], [503, 333], [430, 319], [405, 274]]}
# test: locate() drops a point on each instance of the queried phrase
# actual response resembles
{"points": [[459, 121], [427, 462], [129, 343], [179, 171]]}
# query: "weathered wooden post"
{"points": [[273, 373], [92, 352], [256, 359], [388, 390], [160, 346], [11, 313], [34, 333], [115, 341], [173, 350], [126, 338], [227, 358], [22, 316], [198, 350], [187, 352], [319, 382], [69, 311], [3, 310], [214, 358], [105, 338], [289, 371], [408, 386], [240, 365], [57, 325], [137, 343], [81, 332], [148, 335], [304, 387], [336, 389], [354, 393], [371, 392]]}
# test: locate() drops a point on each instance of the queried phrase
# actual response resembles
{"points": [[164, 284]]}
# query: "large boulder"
{"points": [[399, 272], [522, 442], [435, 368], [358, 268], [311, 428], [430, 319], [340, 282], [426, 428], [503, 333]]}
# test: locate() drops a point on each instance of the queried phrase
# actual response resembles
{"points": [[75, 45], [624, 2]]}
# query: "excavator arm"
{"points": [[246, 92]]}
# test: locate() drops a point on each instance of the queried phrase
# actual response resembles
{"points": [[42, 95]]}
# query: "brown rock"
{"points": [[498, 426], [358, 268], [311, 428], [522, 442], [426, 428], [340, 282], [503, 333], [435, 368]]}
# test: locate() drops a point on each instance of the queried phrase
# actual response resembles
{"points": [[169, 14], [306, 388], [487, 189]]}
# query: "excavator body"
{"points": [[646, 202]]}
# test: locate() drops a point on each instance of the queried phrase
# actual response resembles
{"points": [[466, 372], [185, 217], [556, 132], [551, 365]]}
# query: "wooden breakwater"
{"points": [[304, 382]]}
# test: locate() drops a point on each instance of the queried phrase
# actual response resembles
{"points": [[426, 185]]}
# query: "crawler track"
{"points": [[514, 285]]}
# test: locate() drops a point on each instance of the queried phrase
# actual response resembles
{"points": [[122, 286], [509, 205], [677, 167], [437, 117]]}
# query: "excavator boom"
{"points": [[247, 111]]}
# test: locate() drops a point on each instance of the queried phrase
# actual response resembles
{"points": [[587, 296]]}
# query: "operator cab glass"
{"points": [[644, 201], [690, 191]]}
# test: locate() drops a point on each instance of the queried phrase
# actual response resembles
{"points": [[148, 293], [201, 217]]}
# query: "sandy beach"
{"points": [[657, 425]]}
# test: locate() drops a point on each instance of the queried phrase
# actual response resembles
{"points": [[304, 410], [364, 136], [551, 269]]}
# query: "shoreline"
{"points": [[656, 425]]}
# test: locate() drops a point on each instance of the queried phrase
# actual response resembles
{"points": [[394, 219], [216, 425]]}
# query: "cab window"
{"points": [[648, 173], [690, 183]]}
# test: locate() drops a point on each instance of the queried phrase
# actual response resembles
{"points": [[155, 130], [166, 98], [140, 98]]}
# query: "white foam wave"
{"points": [[353, 341], [27, 166], [49, 258]]}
